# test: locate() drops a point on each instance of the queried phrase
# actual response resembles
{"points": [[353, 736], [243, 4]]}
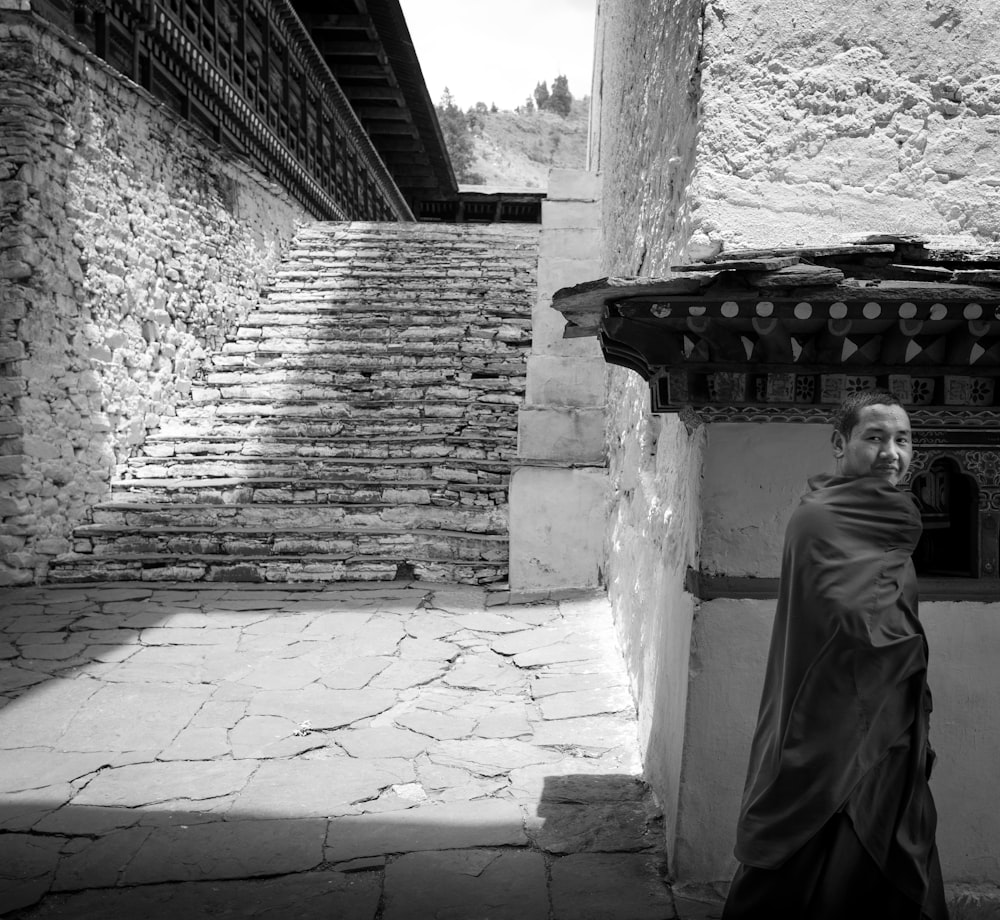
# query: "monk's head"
{"points": [[872, 436]]}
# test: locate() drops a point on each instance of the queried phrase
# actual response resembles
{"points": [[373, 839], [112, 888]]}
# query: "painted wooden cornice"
{"points": [[760, 335]]}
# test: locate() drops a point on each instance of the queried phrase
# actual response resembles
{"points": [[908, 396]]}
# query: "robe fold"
{"points": [[844, 712]]}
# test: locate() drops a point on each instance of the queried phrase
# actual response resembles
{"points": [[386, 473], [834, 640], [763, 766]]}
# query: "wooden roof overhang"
{"points": [[756, 335], [368, 48]]}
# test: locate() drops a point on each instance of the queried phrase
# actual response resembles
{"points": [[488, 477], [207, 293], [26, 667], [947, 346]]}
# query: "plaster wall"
{"points": [[729, 649], [644, 128], [654, 471], [822, 120], [757, 123], [131, 245], [753, 478]]}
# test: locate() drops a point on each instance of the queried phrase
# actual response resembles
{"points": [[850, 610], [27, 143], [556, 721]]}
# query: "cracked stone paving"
{"points": [[361, 752]]}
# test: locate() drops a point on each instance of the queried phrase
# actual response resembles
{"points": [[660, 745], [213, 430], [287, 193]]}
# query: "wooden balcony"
{"points": [[247, 73]]}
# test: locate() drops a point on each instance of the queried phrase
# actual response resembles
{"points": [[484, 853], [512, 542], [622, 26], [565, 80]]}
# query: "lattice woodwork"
{"points": [[248, 75]]}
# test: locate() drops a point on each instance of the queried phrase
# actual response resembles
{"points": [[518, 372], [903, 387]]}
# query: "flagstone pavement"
{"points": [[392, 751]]}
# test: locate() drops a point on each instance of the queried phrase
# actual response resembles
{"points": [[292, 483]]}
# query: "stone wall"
{"points": [[131, 245]]}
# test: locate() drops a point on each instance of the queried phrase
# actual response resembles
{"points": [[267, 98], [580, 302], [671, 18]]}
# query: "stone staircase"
{"points": [[359, 426]]}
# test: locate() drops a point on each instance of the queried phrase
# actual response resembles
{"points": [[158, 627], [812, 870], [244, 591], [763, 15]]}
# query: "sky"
{"points": [[497, 51]]}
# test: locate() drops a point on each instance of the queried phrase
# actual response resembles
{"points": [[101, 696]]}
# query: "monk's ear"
{"points": [[837, 439]]}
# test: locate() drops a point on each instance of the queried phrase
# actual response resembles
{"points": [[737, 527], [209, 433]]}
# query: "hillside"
{"points": [[517, 150]]}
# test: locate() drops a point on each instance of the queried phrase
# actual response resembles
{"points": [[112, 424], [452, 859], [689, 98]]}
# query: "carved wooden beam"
{"points": [[793, 329]]}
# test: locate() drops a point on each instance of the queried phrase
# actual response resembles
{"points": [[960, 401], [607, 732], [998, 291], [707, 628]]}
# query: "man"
{"points": [[837, 821]]}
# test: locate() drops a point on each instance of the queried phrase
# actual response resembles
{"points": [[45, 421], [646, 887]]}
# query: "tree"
{"points": [[457, 138], [560, 99], [541, 95]]}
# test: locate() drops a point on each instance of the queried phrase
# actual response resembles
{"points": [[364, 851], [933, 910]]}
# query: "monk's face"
{"points": [[879, 445]]}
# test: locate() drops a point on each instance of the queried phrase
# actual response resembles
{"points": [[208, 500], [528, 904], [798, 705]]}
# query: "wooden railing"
{"points": [[246, 73]]}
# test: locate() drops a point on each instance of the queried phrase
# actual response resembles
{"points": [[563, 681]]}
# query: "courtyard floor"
{"points": [[389, 751]]}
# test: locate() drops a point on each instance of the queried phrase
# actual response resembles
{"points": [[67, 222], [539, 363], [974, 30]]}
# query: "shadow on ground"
{"points": [[375, 752]]}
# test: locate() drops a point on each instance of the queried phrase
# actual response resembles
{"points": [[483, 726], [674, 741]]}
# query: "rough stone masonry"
{"points": [[131, 246]]}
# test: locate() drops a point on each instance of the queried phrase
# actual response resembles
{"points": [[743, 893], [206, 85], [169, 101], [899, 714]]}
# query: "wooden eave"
{"points": [[368, 48], [753, 333]]}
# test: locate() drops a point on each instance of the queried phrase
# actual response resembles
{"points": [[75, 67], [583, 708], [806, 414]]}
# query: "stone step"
{"points": [[326, 298], [497, 410], [370, 360], [298, 330], [309, 490], [240, 443], [355, 390], [416, 275], [327, 312], [434, 248], [360, 425], [403, 543], [428, 249], [438, 238], [139, 516], [454, 397], [482, 303], [354, 469], [316, 567], [203, 421], [376, 344], [433, 379]]}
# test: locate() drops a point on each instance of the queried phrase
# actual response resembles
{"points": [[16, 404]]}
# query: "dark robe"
{"points": [[842, 728]]}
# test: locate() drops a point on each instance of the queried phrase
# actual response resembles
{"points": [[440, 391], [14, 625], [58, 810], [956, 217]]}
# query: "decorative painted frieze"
{"points": [[805, 327]]}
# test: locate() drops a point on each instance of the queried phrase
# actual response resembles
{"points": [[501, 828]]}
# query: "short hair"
{"points": [[848, 412]]}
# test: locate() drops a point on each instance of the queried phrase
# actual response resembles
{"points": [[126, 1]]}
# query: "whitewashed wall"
{"points": [[762, 122]]}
